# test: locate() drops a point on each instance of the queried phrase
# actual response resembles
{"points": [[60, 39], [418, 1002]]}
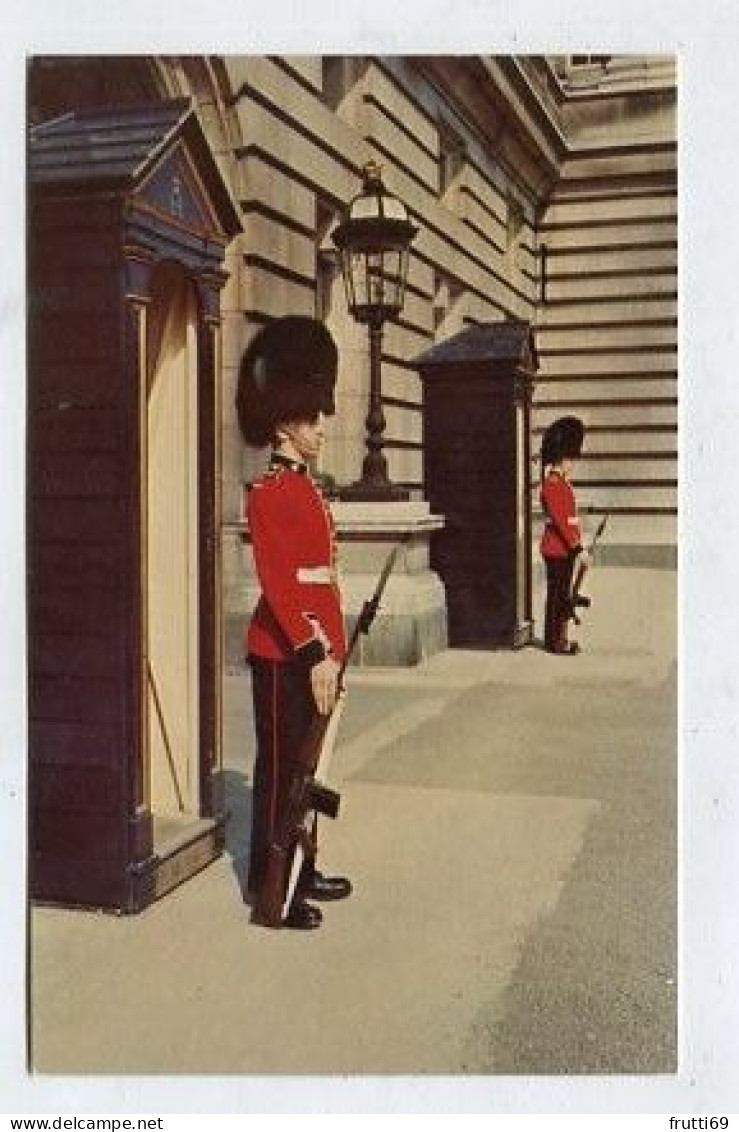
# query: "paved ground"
{"points": [[509, 822]]}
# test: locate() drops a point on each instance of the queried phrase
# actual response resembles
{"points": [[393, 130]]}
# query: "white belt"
{"points": [[316, 575]]}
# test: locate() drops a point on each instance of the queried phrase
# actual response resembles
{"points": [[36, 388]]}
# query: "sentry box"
{"points": [[129, 220], [477, 391]]}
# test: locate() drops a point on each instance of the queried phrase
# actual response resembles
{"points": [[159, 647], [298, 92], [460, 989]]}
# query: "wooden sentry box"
{"points": [[477, 389], [128, 224]]}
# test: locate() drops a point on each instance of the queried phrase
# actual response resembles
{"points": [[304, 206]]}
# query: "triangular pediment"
{"points": [[157, 155], [173, 190]]}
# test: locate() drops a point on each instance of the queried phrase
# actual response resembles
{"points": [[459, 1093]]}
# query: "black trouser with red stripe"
{"points": [[557, 609], [283, 710]]}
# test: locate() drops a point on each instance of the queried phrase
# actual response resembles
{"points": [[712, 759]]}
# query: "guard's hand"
{"points": [[324, 679], [584, 559]]}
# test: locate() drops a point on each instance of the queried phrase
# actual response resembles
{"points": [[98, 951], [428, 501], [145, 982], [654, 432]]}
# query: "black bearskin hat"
{"points": [[287, 373], [563, 438]]}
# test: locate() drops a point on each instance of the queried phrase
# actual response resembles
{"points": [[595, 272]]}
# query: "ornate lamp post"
{"points": [[373, 243]]}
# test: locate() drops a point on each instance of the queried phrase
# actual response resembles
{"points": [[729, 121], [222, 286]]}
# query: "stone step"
{"points": [[183, 849]]}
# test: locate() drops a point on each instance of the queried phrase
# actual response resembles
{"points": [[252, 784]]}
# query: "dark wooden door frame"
{"points": [[139, 270]]}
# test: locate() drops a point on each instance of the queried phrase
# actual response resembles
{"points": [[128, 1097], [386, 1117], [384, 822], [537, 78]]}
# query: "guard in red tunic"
{"points": [[561, 543], [295, 639]]}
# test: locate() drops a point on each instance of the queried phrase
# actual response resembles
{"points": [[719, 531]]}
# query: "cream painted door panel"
{"points": [[172, 552]]}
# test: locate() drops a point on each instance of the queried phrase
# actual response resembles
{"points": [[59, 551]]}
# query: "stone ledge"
{"points": [[396, 640], [410, 626], [658, 556], [654, 556], [363, 519]]}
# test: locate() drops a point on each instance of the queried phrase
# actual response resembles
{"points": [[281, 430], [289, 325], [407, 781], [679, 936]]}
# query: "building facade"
{"points": [[544, 190], [607, 320]]}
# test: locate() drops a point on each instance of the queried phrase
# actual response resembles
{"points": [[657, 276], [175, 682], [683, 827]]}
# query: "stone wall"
{"points": [[608, 321], [306, 126], [499, 159]]}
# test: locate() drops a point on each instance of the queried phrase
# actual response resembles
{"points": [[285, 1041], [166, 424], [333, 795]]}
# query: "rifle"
{"points": [[578, 600], [306, 793]]}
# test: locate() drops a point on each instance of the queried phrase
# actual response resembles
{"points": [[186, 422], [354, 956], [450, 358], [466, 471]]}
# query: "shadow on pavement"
{"points": [[238, 827]]}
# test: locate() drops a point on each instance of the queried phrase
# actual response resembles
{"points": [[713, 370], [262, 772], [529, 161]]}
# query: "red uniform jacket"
{"points": [[561, 535], [295, 556]]}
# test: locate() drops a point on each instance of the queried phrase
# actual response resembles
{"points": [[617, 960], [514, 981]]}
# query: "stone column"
{"points": [[411, 624]]}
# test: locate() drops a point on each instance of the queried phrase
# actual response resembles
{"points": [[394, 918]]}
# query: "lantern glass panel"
{"points": [[358, 262], [350, 268], [393, 277], [394, 209], [375, 279], [365, 208]]}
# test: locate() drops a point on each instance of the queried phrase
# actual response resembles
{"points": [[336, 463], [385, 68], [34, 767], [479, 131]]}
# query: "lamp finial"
{"points": [[372, 171]]}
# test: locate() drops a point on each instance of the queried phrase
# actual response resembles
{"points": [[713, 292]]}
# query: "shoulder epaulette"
{"points": [[270, 476]]}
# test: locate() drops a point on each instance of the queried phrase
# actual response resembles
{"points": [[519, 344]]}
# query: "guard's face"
{"points": [[306, 437]]}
